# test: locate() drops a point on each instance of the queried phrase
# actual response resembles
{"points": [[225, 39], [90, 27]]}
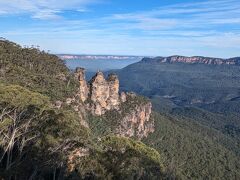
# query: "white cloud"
{"points": [[184, 15], [42, 9], [46, 14]]}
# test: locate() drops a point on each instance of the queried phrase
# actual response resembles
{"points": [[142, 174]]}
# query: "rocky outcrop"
{"points": [[101, 96], [113, 83], [123, 97], [137, 123], [194, 60], [83, 86]]}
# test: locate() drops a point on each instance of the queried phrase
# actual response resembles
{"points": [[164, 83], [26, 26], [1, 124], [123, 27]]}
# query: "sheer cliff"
{"points": [[194, 60]]}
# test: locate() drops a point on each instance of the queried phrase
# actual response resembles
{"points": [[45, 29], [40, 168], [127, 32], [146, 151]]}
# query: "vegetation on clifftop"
{"points": [[35, 70]]}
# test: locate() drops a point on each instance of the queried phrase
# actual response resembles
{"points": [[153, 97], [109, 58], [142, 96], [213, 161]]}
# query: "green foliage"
{"points": [[129, 159], [228, 124], [191, 150], [35, 136], [124, 144], [17, 96], [89, 167], [183, 83], [6, 122], [63, 126], [101, 126], [35, 70], [121, 158]]}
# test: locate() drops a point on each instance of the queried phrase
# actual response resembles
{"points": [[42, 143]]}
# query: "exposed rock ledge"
{"points": [[137, 123], [100, 96]]}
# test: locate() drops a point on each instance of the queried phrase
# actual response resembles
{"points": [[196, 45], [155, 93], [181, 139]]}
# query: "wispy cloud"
{"points": [[42, 9], [188, 15]]}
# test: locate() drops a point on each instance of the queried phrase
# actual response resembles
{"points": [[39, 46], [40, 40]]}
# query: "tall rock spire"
{"points": [[103, 94], [83, 86], [113, 83], [99, 93]]}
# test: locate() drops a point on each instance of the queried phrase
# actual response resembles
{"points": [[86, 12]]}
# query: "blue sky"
{"points": [[125, 27]]}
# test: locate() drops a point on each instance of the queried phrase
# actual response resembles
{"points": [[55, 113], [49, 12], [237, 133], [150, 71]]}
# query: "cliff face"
{"points": [[83, 87], [104, 94], [194, 59], [100, 96], [113, 83], [137, 123]]}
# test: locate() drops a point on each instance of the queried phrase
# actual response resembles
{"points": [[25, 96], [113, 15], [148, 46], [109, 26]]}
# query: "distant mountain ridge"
{"points": [[193, 60], [97, 57]]}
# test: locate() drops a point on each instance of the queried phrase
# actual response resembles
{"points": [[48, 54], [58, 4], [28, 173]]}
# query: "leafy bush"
{"points": [[20, 97], [121, 158]]}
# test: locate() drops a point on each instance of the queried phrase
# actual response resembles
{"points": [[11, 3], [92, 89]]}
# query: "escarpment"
{"points": [[137, 122], [193, 60], [100, 97]]}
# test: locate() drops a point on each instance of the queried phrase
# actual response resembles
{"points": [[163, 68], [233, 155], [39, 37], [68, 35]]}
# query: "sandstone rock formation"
{"points": [[137, 123], [83, 87], [123, 97], [194, 60], [113, 83], [101, 96]]}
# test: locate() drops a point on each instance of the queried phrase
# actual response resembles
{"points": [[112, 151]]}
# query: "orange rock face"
{"points": [[103, 94], [137, 123], [83, 87]]}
